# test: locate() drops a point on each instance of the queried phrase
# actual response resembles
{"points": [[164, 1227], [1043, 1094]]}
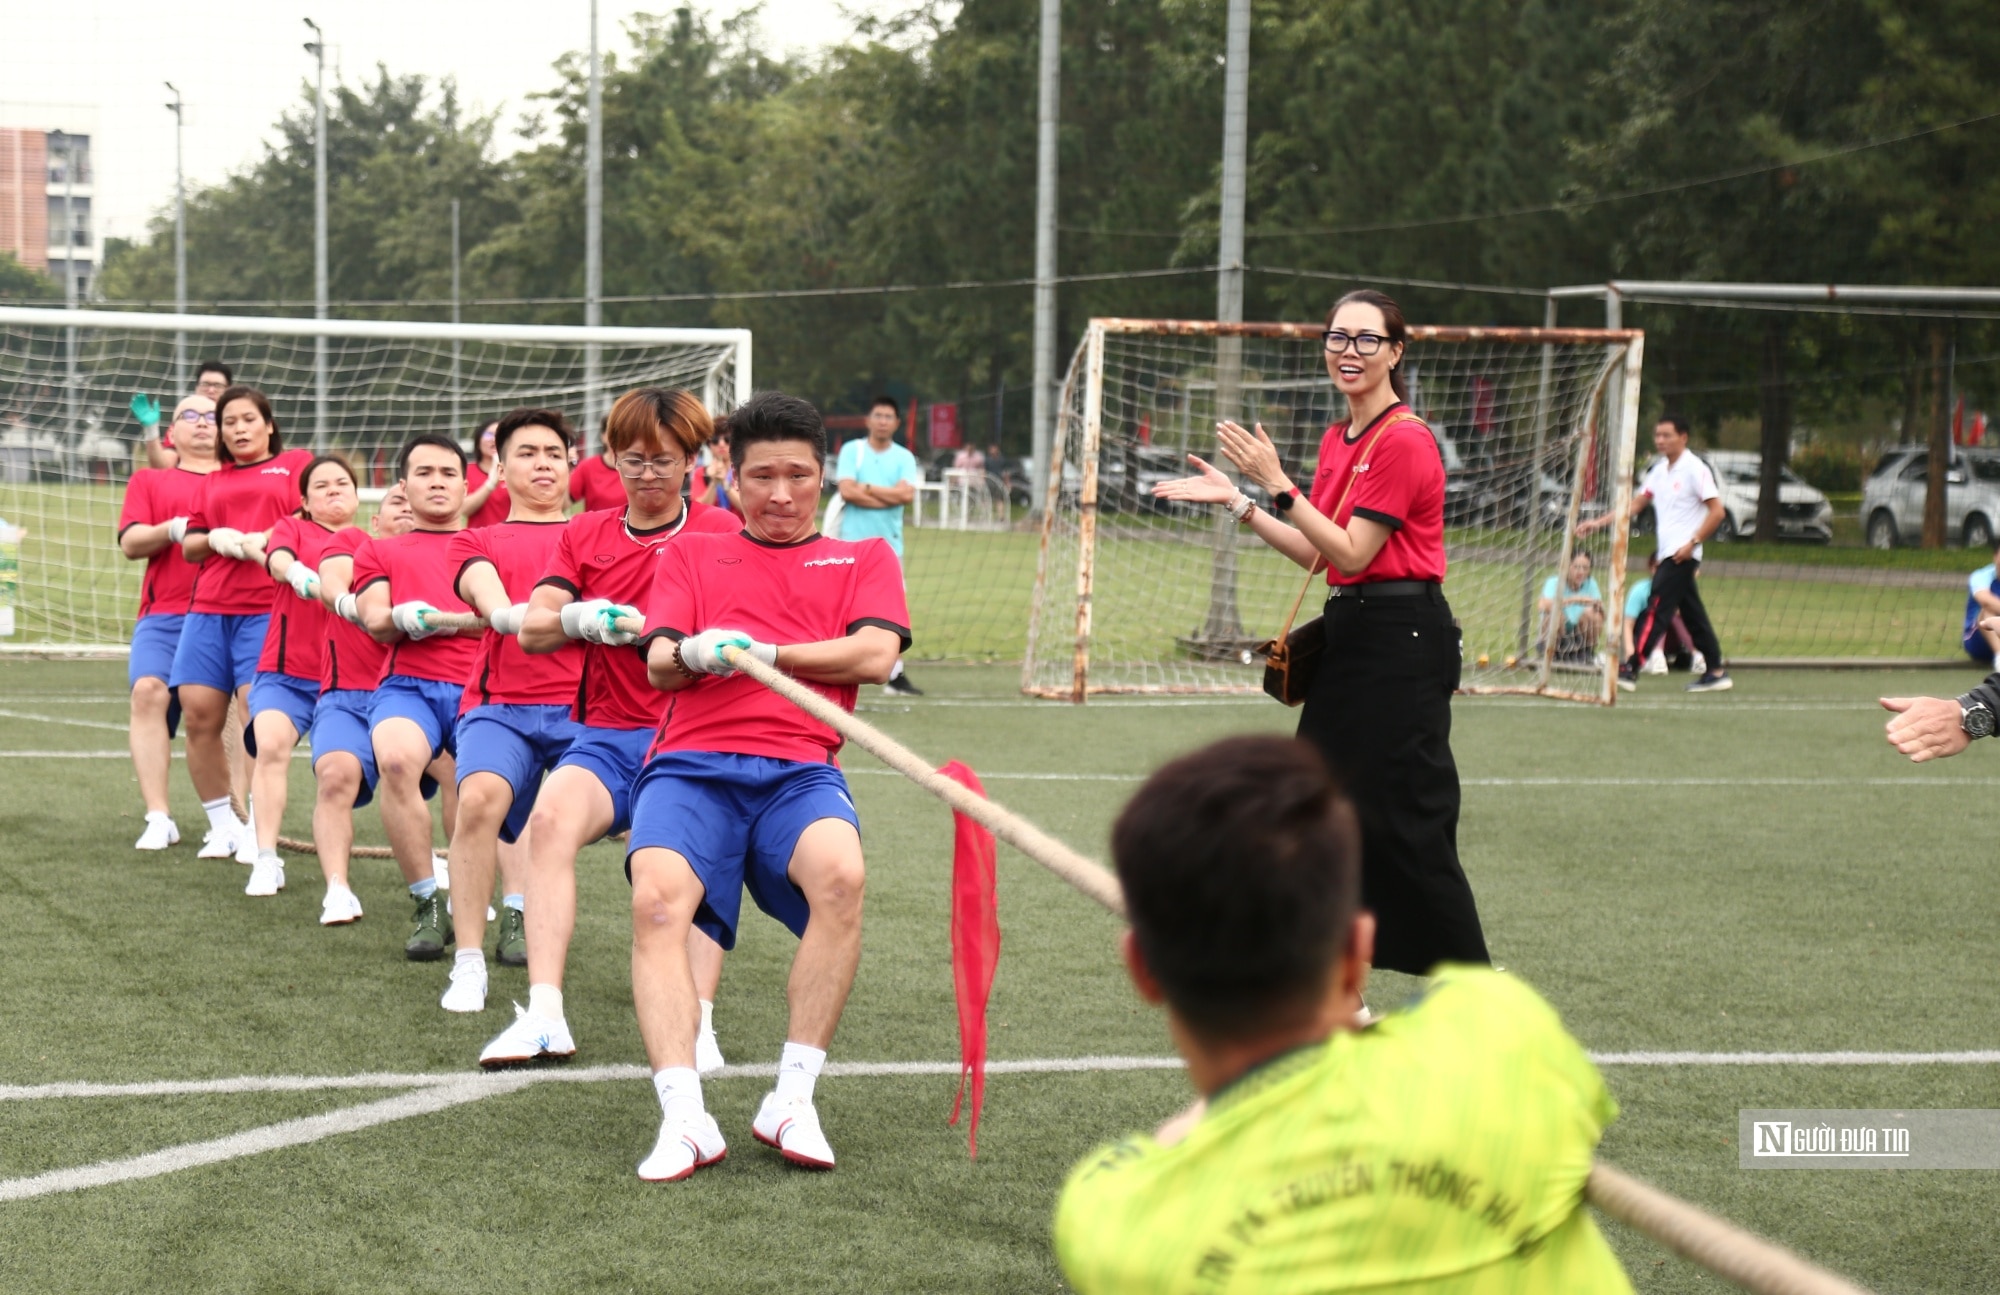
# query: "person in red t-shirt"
{"points": [[604, 563], [514, 721], [485, 493], [595, 480], [741, 788], [1379, 705], [151, 526], [286, 691], [400, 584], [224, 633]]}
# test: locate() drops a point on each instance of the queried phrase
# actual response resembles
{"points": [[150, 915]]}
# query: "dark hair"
{"points": [[1241, 864], [658, 413], [1393, 324], [1674, 421], [514, 420], [775, 416], [320, 461], [215, 366], [1584, 554], [230, 396], [436, 439], [885, 400]]}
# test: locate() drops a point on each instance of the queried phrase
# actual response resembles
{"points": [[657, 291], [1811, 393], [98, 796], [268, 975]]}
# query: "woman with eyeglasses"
{"points": [[1379, 707], [151, 526]]}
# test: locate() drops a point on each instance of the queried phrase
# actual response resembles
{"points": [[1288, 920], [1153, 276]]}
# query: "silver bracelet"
{"points": [[1241, 506]]}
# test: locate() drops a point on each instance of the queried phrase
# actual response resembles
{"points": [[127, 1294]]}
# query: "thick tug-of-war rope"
{"points": [[1724, 1249]]}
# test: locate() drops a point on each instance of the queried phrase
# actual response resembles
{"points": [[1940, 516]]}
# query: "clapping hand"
{"points": [[1207, 487], [1254, 455]]}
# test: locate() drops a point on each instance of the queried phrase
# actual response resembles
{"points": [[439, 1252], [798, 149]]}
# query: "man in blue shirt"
{"points": [[877, 477], [1982, 599]]}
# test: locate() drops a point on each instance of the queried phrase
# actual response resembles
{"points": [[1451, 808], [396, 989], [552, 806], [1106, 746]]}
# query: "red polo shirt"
{"points": [[1400, 484], [597, 484]]}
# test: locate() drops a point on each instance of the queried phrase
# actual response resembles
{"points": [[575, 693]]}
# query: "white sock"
{"points": [[545, 1001], [470, 958], [896, 672], [250, 818], [268, 856], [707, 1018], [798, 1067], [158, 815], [679, 1089], [221, 818]]}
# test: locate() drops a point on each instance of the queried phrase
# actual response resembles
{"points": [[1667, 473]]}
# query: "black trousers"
{"points": [[1674, 591], [1380, 713]]}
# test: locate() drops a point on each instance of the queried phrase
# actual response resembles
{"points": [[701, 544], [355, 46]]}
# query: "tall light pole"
{"points": [[317, 48], [456, 345], [593, 234], [1046, 120], [70, 404], [180, 246]]}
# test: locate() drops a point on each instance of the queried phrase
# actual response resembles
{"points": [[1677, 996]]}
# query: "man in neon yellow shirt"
{"points": [[1442, 1149]]}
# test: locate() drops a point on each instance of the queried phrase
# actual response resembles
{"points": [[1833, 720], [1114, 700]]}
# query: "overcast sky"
{"points": [[97, 66]]}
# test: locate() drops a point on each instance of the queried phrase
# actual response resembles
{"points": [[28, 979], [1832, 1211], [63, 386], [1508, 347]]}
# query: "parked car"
{"points": [[1892, 499], [1803, 512]]}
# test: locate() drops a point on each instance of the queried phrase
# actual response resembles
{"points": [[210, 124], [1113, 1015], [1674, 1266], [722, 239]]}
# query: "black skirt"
{"points": [[1380, 713]]}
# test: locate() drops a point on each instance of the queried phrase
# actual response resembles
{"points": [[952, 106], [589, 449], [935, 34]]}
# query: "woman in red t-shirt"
{"points": [[486, 502], [1379, 708]]}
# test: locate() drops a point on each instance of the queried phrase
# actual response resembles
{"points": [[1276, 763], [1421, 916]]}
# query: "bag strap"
{"points": [[1360, 466]]}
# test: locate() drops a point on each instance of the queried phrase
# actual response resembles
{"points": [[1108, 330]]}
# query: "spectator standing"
{"points": [[486, 502], [876, 478]]}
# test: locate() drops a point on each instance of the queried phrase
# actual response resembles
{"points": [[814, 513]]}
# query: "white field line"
{"points": [[299, 754], [71, 723], [1987, 1058]]}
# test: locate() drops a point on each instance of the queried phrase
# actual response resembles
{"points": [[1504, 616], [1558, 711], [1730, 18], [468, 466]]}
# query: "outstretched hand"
{"points": [[1926, 728], [1208, 486], [1254, 455]]}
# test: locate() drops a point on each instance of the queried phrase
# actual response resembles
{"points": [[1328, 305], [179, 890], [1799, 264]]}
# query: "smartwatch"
{"points": [[1284, 499], [1976, 718]]}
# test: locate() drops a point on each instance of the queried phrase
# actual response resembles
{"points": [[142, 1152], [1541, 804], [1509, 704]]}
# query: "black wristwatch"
{"points": [[1284, 499], [1976, 718]]}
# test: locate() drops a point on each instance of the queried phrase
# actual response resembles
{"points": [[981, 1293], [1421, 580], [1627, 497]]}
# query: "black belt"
{"points": [[1385, 589]]}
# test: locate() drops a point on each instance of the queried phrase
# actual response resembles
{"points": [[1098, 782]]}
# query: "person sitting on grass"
{"points": [[1982, 599], [1580, 603], [1443, 1148]]}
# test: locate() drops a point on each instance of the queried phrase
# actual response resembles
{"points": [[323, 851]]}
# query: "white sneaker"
{"points": [[441, 871], [220, 845], [159, 834], [707, 1054], [467, 991], [529, 1038], [340, 907], [1656, 663], [267, 877], [792, 1128], [1699, 666], [683, 1147]]}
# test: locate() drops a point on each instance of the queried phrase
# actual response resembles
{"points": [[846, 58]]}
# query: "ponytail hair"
{"points": [[1393, 324]]}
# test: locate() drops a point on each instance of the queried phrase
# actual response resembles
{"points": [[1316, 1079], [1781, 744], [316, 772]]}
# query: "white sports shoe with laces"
{"points": [[159, 834], [792, 1127], [340, 907], [529, 1038], [220, 845], [267, 877], [683, 1147], [467, 991]]}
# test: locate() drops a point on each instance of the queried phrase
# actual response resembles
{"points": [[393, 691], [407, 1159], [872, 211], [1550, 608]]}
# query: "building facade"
{"points": [[47, 193]]}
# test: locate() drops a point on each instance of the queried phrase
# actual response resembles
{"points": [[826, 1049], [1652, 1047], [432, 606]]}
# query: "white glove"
{"points": [[303, 580], [596, 621], [348, 608], [702, 653], [508, 619], [226, 540], [410, 618], [177, 529]]}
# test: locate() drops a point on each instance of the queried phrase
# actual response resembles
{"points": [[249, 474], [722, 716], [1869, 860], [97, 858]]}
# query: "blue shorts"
{"points": [[519, 743], [340, 724], [430, 704], [154, 639], [614, 756], [1974, 644], [218, 651], [736, 819], [289, 695]]}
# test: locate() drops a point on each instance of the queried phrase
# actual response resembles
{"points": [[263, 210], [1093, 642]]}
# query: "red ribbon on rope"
{"points": [[975, 947]]}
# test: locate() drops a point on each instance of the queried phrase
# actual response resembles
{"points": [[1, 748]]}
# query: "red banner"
{"points": [[975, 948], [945, 431]]}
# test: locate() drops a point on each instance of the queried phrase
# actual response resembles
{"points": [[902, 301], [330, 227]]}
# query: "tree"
{"points": [[19, 283]]}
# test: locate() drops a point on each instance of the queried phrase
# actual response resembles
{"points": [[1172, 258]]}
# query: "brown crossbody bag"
{"points": [[1292, 659]]}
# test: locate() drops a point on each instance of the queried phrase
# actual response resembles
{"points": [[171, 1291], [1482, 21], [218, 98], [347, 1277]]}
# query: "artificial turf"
{"points": [[1749, 871]]}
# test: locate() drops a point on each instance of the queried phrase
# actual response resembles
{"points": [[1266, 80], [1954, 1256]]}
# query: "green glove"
{"points": [[146, 410]]}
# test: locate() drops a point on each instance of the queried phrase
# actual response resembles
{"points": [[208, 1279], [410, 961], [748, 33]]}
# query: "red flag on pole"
{"points": [[975, 947]]}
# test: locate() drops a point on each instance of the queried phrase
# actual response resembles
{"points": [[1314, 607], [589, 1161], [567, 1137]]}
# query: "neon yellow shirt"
{"points": [[1442, 1150]]}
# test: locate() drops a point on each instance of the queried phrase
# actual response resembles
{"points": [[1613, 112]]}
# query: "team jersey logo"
{"points": [[831, 562], [276, 472], [728, 562]]}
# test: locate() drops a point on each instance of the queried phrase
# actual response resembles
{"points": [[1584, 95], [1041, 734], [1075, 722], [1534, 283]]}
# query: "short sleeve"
{"points": [[284, 537], [138, 507], [1397, 473], [673, 608], [912, 474], [1978, 583], [368, 568], [576, 478], [878, 592], [844, 464], [564, 572], [1635, 602], [1649, 481], [1704, 482], [463, 549], [1549, 587]]}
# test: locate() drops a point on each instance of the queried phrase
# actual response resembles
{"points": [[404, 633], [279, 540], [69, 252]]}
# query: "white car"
{"points": [[1892, 499], [1803, 512]]}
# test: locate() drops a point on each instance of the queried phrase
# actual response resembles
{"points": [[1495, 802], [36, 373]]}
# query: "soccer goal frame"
{"points": [[1582, 417], [359, 387]]}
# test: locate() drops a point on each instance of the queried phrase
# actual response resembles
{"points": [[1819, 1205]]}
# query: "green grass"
{"points": [[1738, 915]]}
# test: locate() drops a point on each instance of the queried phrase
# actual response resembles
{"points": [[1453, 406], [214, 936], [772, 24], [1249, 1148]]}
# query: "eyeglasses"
{"points": [[1338, 340], [633, 466], [198, 416]]}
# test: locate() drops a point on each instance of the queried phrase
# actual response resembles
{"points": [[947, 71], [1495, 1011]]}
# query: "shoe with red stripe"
{"points": [[792, 1128], [684, 1146]]}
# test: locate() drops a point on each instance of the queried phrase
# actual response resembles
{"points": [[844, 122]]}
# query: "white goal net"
{"points": [[1135, 594], [69, 442]]}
